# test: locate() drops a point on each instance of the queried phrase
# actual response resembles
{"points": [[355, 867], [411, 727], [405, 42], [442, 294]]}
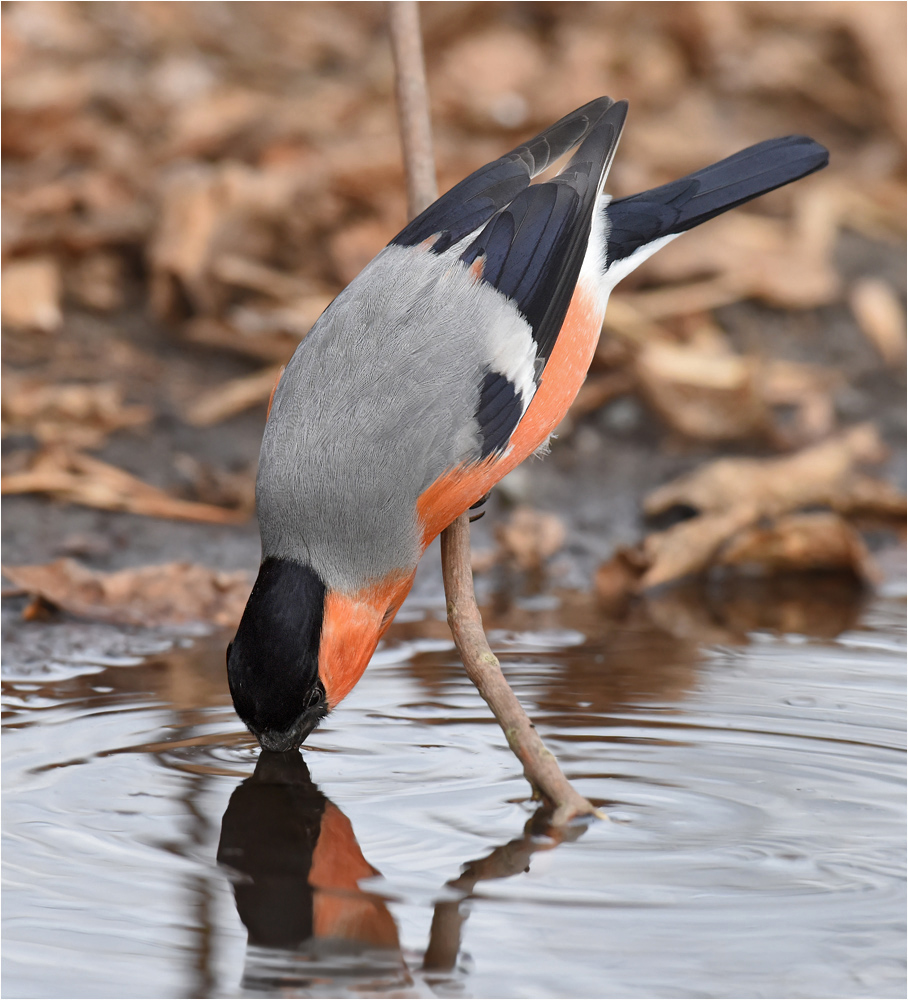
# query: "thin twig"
{"points": [[482, 666], [539, 766], [413, 104]]}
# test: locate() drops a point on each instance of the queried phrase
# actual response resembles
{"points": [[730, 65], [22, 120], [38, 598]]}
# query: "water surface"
{"points": [[749, 752]]}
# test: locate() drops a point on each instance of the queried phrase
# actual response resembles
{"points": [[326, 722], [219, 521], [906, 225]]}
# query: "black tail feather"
{"points": [[674, 208]]}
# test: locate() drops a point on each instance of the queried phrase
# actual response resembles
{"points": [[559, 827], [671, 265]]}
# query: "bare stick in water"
{"points": [[539, 765], [482, 666]]}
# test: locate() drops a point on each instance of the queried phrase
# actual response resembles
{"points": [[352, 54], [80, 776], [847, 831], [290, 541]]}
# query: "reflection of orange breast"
{"points": [[340, 909], [452, 493]]}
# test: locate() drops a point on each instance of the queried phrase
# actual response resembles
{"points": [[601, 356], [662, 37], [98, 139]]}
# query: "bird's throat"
{"points": [[351, 629]]}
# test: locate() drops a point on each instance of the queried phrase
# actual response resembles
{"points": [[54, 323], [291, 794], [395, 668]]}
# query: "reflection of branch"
{"points": [[483, 669], [504, 862]]}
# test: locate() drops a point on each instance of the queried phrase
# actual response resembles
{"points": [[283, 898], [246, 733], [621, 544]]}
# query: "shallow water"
{"points": [[749, 753]]}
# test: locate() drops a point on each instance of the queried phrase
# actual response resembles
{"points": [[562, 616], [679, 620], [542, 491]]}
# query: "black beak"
{"points": [[292, 738]]}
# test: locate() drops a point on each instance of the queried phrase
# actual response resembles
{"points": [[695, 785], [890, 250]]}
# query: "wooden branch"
{"points": [[539, 765], [413, 105], [482, 666]]}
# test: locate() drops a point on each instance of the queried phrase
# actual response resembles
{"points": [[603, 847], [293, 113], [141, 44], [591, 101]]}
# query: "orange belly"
{"points": [[457, 490]]}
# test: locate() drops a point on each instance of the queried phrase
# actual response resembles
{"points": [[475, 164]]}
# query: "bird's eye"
{"points": [[314, 698]]}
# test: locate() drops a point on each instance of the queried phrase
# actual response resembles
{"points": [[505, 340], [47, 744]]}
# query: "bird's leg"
{"points": [[479, 503], [482, 666]]}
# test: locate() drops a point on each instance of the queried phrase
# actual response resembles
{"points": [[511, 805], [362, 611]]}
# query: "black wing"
{"points": [[478, 197], [535, 237], [534, 247]]}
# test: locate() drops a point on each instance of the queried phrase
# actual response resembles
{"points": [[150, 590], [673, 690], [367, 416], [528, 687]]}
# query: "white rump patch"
{"points": [[622, 268]]}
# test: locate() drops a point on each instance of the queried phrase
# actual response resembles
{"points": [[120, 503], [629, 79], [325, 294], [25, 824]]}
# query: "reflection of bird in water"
{"points": [[449, 360], [296, 868]]}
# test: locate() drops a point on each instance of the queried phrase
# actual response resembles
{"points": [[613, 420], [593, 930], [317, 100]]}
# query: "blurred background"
{"points": [[186, 187]]}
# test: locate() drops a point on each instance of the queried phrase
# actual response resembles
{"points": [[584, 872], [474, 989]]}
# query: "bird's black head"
{"points": [[272, 663]]}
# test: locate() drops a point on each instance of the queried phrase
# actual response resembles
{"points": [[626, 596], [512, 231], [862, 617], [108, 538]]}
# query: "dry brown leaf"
{"points": [[881, 317], [77, 478], [690, 547], [617, 578], [233, 397], [206, 483], [822, 605], [169, 594], [819, 540], [31, 290], [597, 390], [193, 204], [713, 397], [866, 497], [815, 475], [685, 612], [79, 415], [530, 537], [204, 126], [234, 269], [880, 30], [488, 75], [704, 391], [271, 345], [807, 391], [732, 495], [294, 318], [97, 281], [77, 233], [680, 300], [207, 212], [627, 320], [353, 247]]}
